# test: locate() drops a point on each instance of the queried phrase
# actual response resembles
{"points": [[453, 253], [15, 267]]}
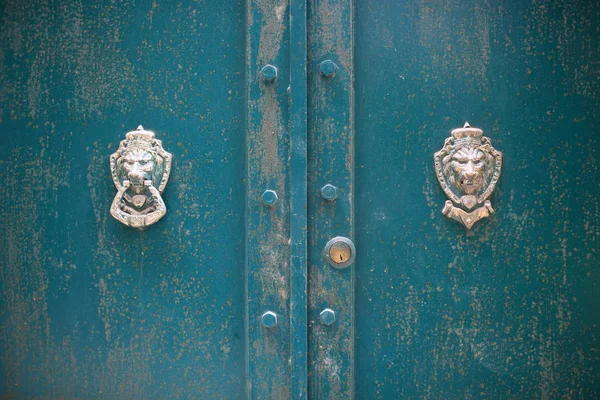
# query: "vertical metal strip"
{"points": [[330, 161], [298, 218], [268, 200]]}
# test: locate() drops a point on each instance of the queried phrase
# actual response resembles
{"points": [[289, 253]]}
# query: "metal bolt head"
{"points": [[329, 192], [269, 319], [269, 73], [328, 68], [327, 316], [269, 197]]}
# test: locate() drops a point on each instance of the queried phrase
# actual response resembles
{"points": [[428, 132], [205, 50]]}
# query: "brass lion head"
{"points": [[468, 168], [140, 169]]}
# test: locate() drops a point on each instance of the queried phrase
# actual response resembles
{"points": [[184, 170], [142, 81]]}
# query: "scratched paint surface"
{"points": [[92, 309], [510, 310], [330, 161], [89, 308], [267, 227]]}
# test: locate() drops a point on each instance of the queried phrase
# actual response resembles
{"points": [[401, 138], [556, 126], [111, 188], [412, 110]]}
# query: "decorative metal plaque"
{"points": [[140, 169], [468, 168]]}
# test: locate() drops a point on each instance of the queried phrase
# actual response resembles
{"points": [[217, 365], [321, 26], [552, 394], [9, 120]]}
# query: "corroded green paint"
{"points": [[267, 227], [89, 308], [92, 309], [330, 161], [298, 200], [511, 309]]}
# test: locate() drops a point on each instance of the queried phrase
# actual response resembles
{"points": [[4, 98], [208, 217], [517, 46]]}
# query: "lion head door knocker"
{"points": [[140, 169], [468, 168]]}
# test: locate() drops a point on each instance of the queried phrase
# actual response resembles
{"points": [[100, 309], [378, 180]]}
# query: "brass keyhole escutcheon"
{"points": [[339, 252]]}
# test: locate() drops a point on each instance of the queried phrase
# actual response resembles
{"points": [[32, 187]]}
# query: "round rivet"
{"points": [[328, 68], [269, 197], [340, 252], [269, 73], [269, 319], [329, 192], [327, 316]]}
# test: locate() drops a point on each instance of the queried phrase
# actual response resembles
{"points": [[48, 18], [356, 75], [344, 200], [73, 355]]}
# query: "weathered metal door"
{"points": [[510, 308], [300, 132], [91, 308]]}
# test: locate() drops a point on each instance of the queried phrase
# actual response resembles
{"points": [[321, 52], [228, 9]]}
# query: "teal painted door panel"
{"points": [[91, 308], [509, 310]]}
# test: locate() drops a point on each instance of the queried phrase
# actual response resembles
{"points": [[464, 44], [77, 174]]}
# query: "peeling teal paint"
{"points": [[92, 309]]}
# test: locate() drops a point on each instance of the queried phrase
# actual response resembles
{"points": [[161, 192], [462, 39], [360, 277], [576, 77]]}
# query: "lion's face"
{"points": [[467, 169], [137, 166]]}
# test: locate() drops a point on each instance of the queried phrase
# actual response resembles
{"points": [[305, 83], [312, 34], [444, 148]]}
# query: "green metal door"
{"points": [[301, 131], [508, 309], [91, 308]]}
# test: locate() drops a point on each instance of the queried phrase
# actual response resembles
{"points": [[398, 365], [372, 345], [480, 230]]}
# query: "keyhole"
{"points": [[340, 252]]}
